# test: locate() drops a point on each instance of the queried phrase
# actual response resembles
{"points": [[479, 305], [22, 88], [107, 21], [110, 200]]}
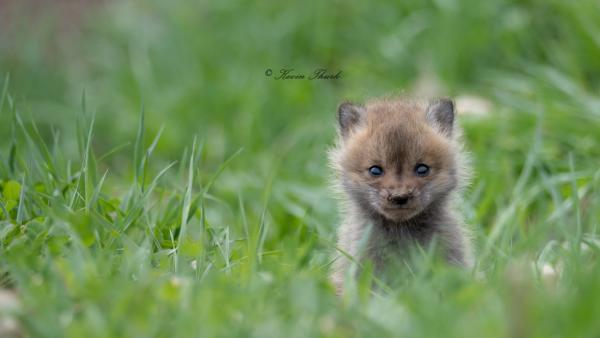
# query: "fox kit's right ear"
{"points": [[349, 116], [441, 114]]}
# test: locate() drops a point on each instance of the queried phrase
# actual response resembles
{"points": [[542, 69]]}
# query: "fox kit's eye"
{"points": [[421, 169], [376, 170]]}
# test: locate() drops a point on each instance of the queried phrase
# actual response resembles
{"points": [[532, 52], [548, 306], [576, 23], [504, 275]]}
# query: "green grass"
{"points": [[155, 183]]}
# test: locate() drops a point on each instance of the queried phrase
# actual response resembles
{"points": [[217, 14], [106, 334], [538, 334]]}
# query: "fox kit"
{"points": [[400, 168]]}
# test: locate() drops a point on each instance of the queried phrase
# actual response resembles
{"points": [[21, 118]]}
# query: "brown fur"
{"points": [[397, 134]]}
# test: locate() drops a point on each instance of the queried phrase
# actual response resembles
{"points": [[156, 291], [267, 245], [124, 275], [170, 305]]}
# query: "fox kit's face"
{"points": [[397, 158]]}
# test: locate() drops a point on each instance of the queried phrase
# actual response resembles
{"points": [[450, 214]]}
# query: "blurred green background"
{"points": [[197, 70]]}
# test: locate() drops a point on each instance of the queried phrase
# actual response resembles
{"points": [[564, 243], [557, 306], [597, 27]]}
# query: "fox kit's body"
{"points": [[399, 166]]}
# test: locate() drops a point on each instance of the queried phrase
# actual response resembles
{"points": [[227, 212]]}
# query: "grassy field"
{"points": [[156, 183]]}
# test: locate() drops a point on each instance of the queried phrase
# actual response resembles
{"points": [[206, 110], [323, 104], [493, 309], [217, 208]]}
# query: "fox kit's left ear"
{"points": [[440, 113], [349, 117]]}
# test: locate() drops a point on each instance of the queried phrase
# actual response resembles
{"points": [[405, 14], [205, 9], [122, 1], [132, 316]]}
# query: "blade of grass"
{"points": [[138, 151], [186, 206], [576, 239], [21, 207], [4, 92]]}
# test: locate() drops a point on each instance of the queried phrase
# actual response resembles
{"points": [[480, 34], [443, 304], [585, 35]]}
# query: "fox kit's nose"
{"points": [[401, 199]]}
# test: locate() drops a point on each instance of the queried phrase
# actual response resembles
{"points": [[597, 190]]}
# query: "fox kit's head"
{"points": [[395, 158]]}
